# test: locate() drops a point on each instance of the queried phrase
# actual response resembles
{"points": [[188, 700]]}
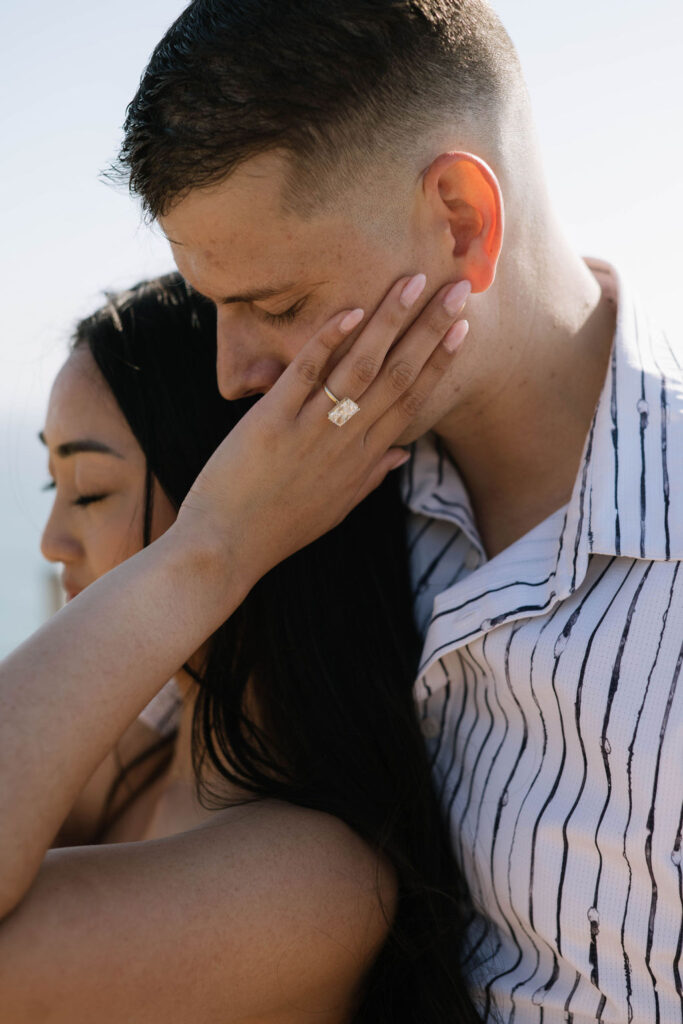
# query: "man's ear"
{"points": [[464, 193]]}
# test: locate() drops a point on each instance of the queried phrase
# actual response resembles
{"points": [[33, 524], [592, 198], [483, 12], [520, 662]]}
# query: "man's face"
{"points": [[276, 278]]}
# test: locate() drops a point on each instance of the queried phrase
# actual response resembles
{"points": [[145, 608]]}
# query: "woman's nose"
{"points": [[57, 543]]}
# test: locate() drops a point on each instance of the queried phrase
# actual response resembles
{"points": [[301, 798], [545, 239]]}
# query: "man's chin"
{"points": [[435, 412], [412, 433], [426, 419]]}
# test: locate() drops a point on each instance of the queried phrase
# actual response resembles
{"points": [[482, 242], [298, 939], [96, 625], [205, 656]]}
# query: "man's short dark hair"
{"points": [[333, 83]]}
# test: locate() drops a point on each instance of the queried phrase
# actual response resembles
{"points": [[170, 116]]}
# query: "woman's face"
{"points": [[98, 470]]}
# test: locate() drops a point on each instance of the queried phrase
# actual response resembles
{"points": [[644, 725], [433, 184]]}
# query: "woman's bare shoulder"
{"points": [[264, 907], [303, 832]]}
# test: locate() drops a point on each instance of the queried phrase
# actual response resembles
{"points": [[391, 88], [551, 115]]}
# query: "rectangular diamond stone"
{"points": [[343, 411]]}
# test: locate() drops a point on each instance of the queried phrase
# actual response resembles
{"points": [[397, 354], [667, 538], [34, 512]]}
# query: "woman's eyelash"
{"points": [[82, 500], [287, 316], [89, 499]]}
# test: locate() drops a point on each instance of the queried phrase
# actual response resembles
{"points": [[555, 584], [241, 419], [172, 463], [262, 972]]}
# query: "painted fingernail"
{"points": [[412, 290], [455, 335], [351, 320], [456, 298]]}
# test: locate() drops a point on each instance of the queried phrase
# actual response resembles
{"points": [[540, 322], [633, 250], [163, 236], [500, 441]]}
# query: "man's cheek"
{"points": [[307, 326], [315, 317]]}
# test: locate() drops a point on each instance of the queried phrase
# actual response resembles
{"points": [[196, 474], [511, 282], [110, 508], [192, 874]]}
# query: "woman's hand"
{"points": [[286, 474]]}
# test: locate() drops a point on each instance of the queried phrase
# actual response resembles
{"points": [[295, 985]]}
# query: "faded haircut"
{"points": [[333, 84]]}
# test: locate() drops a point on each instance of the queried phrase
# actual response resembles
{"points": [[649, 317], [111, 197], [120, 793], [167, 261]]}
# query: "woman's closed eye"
{"points": [[83, 499], [88, 499]]}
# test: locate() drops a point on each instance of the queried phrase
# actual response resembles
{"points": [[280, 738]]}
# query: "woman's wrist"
{"points": [[206, 556]]}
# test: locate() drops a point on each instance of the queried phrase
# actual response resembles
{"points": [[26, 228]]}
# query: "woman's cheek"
{"points": [[118, 535], [164, 513]]}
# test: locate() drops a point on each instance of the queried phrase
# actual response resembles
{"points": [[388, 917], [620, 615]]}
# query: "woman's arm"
{"points": [[69, 692], [281, 478]]}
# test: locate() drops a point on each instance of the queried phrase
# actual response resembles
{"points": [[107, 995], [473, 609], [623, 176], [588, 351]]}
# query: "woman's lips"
{"points": [[70, 589]]}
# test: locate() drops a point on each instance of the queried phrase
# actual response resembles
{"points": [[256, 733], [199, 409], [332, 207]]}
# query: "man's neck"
{"points": [[518, 433]]}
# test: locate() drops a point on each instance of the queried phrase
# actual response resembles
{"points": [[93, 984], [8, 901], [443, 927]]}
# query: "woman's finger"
{"points": [[357, 370], [406, 361], [306, 371], [399, 414]]}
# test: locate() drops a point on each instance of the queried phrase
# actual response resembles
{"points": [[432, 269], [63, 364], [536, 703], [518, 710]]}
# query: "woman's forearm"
{"points": [[69, 692]]}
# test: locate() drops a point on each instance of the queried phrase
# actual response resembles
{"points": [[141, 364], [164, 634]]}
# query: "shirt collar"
{"points": [[432, 487], [627, 498], [628, 494]]}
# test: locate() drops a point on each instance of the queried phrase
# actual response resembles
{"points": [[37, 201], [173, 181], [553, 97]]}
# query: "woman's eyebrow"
{"points": [[76, 447]]}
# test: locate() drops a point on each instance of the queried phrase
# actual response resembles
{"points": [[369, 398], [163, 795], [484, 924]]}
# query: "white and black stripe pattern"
{"points": [[551, 697]]}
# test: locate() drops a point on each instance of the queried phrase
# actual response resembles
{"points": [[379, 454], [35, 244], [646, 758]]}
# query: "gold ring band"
{"points": [[330, 395]]}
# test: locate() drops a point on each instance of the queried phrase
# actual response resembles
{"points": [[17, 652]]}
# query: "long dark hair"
{"points": [[328, 643]]}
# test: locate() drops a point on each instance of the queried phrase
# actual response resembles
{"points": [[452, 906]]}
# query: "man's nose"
{"points": [[58, 544], [248, 358]]}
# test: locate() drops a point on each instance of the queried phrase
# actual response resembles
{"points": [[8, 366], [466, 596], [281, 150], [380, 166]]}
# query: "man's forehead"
{"points": [[239, 246], [246, 202], [242, 270], [214, 234], [234, 239], [229, 273]]}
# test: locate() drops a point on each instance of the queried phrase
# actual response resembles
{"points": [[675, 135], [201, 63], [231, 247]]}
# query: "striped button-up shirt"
{"points": [[551, 699]]}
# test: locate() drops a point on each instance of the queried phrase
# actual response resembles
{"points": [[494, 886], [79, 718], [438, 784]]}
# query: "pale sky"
{"points": [[606, 81]]}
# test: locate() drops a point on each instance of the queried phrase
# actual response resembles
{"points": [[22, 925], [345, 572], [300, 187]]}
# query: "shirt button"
{"points": [[430, 728], [472, 559]]}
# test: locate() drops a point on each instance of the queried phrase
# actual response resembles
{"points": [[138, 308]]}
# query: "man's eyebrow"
{"points": [[258, 294], [83, 445]]}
